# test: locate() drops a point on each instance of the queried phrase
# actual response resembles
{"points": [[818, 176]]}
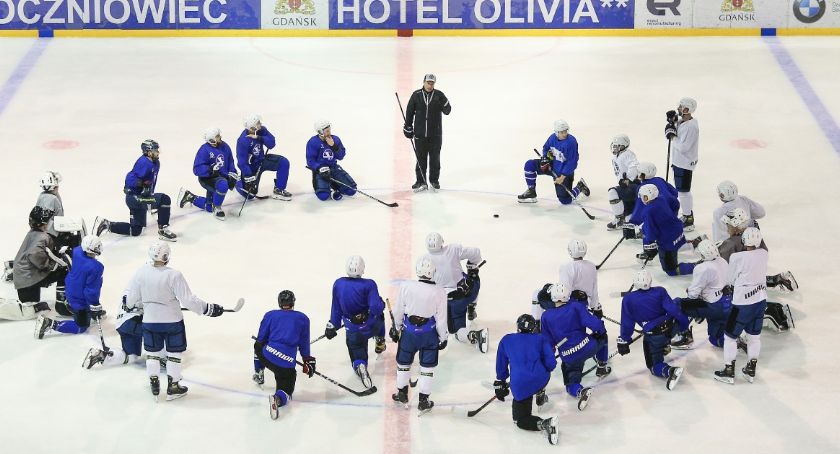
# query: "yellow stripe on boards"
{"points": [[216, 33]]}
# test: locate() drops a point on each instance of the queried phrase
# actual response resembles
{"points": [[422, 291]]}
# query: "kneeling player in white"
{"points": [[130, 329], [419, 328], [623, 196], [728, 193]]}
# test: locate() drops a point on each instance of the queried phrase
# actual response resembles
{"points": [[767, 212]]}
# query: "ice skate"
{"points": [[425, 405], [529, 196], [748, 371], [673, 377], [364, 376], [550, 428], [727, 374], [688, 222], [281, 194], [683, 340], [582, 187], [166, 235], [419, 187], [95, 356], [218, 213], [480, 338], [154, 385], [603, 370], [175, 390], [401, 396], [583, 398], [185, 197]]}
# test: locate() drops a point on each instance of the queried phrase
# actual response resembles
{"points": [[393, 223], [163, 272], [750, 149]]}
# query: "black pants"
{"points": [[32, 294], [284, 377], [428, 148], [522, 414]]}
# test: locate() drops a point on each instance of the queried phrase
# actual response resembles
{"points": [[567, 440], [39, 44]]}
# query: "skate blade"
{"points": [[273, 409], [727, 380], [170, 397], [689, 228], [584, 400], [682, 347], [747, 377], [423, 412], [527, 200]]}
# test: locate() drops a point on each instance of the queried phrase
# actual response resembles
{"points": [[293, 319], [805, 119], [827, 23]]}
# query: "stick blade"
{"points": [[393, 204], [367, 392], [238, 307]]}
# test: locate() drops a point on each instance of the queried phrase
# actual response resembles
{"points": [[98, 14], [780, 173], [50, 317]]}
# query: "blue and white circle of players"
{"points": [[283, 332], [323, 151], [655, 312], [527, 358], [161, 291], [357, 305], [419, 329], [559, 160], [462, 288], [622, 197], [216, 173], [253, 159], [707, 298], [662, 232], [683, 134]]}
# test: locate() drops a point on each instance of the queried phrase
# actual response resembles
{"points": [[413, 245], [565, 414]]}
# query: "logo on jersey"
{"points": [[328, 154], [659, 7], [808, 11]]}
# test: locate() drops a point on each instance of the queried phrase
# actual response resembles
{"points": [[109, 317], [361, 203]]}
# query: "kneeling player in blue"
{"points": [[214, 168], [253, 160], [357, 305], [528, 359], [565, 326], [662, 233], [282, 334], [647, 175], [140, 195], [84, 283], [130, 329], [559, 160], [653, 310], [419, 329], [323, 151], [707, 297]]}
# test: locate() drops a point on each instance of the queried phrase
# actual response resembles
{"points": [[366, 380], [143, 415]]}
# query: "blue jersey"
{"points": [[251, 152], [565, 327], [648, 308], [319, 154], [353, 296], [565, 159], [662, 226], [283, 333], [528, 360], [84, 281], [666, 190], [211, 161], [143, 174]]}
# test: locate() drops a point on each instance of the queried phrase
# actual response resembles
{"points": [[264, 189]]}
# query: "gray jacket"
{"points": [[734, 244], [32, 263], [53, 203]]}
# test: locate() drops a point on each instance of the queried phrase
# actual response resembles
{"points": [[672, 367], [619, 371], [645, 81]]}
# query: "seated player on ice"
{"points": [[323, 151], [253, 159], [623, 196]]}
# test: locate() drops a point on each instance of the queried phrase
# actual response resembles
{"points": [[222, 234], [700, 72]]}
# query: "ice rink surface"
{"points": [[82, 107]]}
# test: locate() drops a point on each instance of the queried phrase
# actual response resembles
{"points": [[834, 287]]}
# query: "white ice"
{"points": [[109, 95]]}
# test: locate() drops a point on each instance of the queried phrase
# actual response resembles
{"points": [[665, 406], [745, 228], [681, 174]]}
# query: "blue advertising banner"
{"points": [[129, 14], [473, 14]]}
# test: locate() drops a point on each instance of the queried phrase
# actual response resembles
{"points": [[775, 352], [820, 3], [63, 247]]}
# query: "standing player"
{"points": [[282, 333], [424, 124], [214, 168], [253, 160], [683, 134], [559, 159], [140, 195], [747, 271], [728, 193], [565, 328], [130, 329], [653, 310], [528, 360], [323, 151], [706, 297], [356, 304], [161, 291], [84, 284], [37, 266], [419, 328], [462, 287], [625, 167], [662, 233]]}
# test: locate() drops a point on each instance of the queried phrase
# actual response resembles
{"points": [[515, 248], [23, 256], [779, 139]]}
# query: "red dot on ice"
{"points": [[749, 144], [61, 144]]}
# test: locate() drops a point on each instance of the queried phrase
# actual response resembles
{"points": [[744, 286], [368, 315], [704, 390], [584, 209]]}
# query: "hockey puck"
{"points": [[495, 215]]}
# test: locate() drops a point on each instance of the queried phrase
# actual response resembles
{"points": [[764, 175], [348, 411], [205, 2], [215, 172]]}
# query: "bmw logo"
{"points": [[808, 11]]}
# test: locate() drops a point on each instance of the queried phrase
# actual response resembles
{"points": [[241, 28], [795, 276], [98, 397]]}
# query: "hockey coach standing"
{"points": [[423, 124]]}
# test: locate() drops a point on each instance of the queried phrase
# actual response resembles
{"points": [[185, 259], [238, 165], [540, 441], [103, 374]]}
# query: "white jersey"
{"points": [[755, 210], [125, 315], [625, 165], [423, 299], [162, 291], [748, 275], [685, 145], [582, 275], [448, 271], [708, 280], [51, 202]]}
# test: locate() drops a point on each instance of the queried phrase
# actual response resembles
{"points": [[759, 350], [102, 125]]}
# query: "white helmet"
{"points": [[751, 237], [650, 191], [321, 125], [688, 102], [707, 250], [560, 293], [648, 169], [355, 266], [632, 173], [252, 120], [727, 191], [736, 217], [434, 242], [619, 143], [560, 125], [642, 280], [425, 267], [210, 135], [50, 180], [92, 245], [159, 252], [577, 248]]}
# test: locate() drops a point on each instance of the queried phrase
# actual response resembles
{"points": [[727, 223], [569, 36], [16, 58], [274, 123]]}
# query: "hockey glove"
{"points": [[579, 295], [394, 334], [670, 131], [728, 290], [624, 182], [95, 311], [545, 163], [598, 313], [443, 344], [671, 116], [330, 332], [250, 179], [213, 310], [309, 366], [623, 347], [325, 173], [628, 231], [472, 270], [502, 389], [599, 336], [147, 189], [408, 131], [651, 250]]}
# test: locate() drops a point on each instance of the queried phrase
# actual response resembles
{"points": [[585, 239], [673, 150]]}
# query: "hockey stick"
{"points": [[574, 200], [411, 382], [587, 371], [237, 308], [101, 338], [668, 161], [413, 146], [608, 255], [390, 205], [472, 413], [257, 174], [324, 335]]}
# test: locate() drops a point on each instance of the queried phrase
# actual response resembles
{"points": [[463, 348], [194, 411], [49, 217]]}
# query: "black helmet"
{"points": [[526, 323], [286, 298], [149, 145], [39, 216]]}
